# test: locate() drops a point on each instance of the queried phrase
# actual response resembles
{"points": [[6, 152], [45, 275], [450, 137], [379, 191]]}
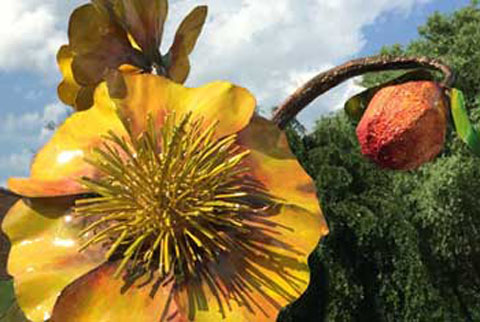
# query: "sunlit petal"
{"points": [[68, 88], [44, 256], [99, 297], [272, 162], [229, 105], [59, 165], [256, 289]]}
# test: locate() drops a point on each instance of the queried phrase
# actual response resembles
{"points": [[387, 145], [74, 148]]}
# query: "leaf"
{"points": [[356, 105], [185, 39], [13, 314], [9, 309], [7, 295], [7, 199], [464, 127]]}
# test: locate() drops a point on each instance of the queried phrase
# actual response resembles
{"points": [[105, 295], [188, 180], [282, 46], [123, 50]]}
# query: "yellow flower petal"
{"points": [[68, 88], [69, 91], [34, 188], [300, 225], [59, 165], [129, 69], [272, 163], [98, 297], [44, 255], [259, 310], [230, 105], [294, 237]]}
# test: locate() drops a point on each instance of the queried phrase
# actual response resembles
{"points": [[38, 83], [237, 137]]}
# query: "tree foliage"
{"points": [[404, 246]]}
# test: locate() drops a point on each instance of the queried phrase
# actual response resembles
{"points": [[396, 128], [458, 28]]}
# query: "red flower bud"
{"points": [[404, 125]]}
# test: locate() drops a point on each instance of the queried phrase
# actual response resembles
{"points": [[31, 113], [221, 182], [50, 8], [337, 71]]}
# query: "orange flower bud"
{"points": [[404, 125]]}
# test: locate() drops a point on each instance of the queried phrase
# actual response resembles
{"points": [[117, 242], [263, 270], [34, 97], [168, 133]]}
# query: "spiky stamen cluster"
{"points": [[177, 200]]}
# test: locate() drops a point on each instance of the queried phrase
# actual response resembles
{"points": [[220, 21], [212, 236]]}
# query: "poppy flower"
{"points": [[122, 36], [170, 203]]}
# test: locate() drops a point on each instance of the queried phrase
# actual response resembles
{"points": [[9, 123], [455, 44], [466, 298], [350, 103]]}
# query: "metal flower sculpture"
{"points": [[158, 202]]}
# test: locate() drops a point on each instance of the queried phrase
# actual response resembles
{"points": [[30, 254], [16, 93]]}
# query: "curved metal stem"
{"points": [[333, 77]]}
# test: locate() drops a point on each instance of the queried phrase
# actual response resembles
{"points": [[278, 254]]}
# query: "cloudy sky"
{"points": [[268, 46]]}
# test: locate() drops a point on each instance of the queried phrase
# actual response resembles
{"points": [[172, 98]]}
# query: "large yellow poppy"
{"points": [[170, 203]]}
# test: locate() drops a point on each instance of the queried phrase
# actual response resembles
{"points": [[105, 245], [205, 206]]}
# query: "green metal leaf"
{"points": [[9, 309], [464, 127], [356, 105], [7, 295]]}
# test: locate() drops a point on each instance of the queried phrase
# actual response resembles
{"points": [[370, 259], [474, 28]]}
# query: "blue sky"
{"points": [[268, 46]]}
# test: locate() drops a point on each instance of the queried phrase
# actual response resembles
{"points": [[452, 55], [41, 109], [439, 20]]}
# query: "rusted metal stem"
{"points": [[333, 77]]}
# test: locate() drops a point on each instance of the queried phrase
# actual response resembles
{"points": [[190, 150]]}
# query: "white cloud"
{"points": [[16, 162], [28, 132], [31, 32], [34, 126]]}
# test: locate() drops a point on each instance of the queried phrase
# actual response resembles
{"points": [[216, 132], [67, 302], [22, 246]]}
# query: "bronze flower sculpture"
{"points": [[155, 201]]}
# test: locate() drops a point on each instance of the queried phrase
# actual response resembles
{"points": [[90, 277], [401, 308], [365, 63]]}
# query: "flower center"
{"points": [[172, 199], [181, 204]]}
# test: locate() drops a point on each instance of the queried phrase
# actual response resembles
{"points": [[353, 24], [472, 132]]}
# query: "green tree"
{"points": [[404, 246]]}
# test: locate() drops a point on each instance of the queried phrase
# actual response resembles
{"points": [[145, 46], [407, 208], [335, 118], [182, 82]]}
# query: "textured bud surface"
{"points": [[404, 125]]}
